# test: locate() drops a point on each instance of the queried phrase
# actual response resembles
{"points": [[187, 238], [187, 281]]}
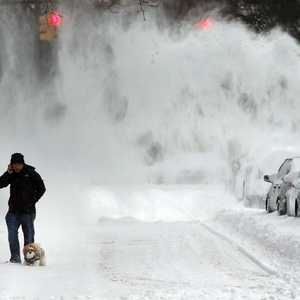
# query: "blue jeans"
{"points": [[13, 222]]}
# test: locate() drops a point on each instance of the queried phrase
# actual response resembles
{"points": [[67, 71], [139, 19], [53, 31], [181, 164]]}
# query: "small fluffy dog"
{"points": [[34, 255]]}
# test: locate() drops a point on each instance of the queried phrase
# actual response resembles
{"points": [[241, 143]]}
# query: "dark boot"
{"points": [[16, 260]]}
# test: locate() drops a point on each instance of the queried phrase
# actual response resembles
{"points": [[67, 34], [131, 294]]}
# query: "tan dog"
{"points": [[34, 255]]}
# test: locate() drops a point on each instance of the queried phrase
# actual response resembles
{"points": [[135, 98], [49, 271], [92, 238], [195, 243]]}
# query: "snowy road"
{"points": [[179, 261], [128, 259]]}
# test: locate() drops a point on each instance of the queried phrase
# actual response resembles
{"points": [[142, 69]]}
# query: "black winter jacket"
{"points": [[26, 188]]}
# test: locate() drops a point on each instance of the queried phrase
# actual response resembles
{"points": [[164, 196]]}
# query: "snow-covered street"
{"points": [[178, 261], [127, 258]]}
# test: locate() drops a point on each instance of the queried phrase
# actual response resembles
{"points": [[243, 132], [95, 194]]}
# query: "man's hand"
{"points": [[10, 169]]}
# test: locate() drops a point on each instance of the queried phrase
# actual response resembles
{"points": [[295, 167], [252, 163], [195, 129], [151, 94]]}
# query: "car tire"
{"points": [[281, 207], [290, 208], [268, 206]]}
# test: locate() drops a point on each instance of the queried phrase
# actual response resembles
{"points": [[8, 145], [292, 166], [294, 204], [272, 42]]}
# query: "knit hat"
{"points": [[17, 158]]}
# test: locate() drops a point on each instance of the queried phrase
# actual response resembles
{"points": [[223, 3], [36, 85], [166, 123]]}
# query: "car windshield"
{"points": [[285, 168]]}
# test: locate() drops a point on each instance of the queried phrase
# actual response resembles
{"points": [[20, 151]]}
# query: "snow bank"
{"points": [[158, 202]]}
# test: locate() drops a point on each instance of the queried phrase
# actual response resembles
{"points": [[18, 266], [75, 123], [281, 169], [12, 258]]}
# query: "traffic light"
{"points": [[49, 25], [205, 24], [54, 19]]}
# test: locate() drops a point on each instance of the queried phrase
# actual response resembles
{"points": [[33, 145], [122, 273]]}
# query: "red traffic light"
{"points": [[205, 24], [54, 19]]}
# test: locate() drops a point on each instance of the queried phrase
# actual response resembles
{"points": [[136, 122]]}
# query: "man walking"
{"points": [[26, 188]]}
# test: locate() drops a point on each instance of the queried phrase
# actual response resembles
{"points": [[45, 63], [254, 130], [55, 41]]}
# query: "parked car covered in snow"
{"points": [[250, 187], [282, 183]]}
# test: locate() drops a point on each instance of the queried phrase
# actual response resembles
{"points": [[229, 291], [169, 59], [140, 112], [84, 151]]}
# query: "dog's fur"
{"points": [[34, 255]]}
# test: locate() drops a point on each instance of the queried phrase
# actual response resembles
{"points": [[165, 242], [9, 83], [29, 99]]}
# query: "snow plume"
{"points": [[134, 102], [152, 98]]}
